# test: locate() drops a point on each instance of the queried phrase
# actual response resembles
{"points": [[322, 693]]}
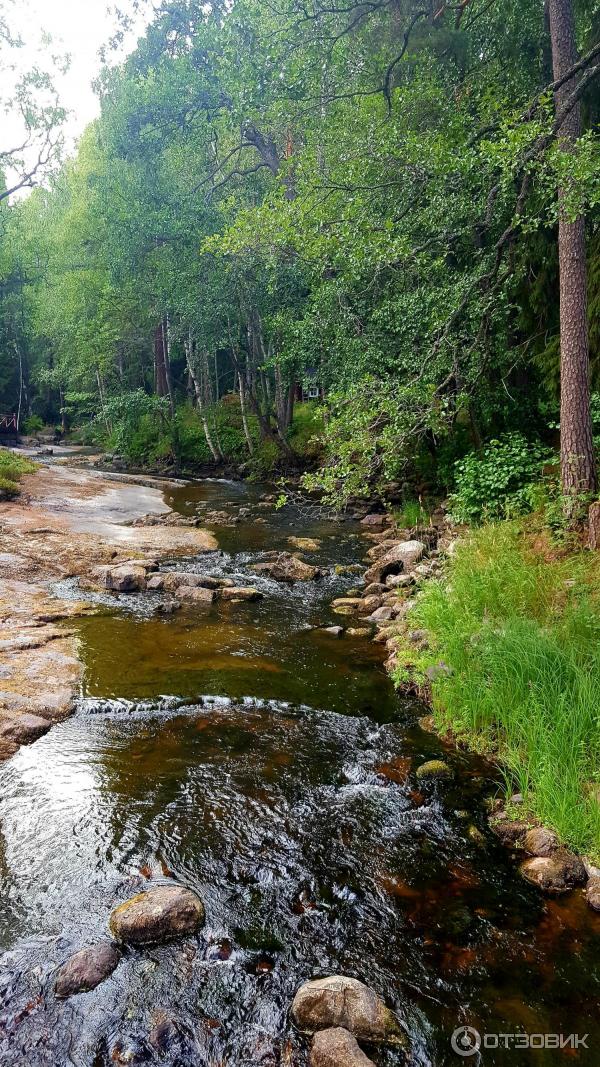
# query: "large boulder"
{"points": [[339, 1001], [23, 729], [124, 578], [86, 969], [396, 561], [160, 914], [555, 874], [337, 1048], [283, 567]]}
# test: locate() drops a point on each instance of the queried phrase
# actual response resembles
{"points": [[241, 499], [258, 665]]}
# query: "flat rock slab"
{"points": [[240, 593], [86, 969], [337, 1048], [344, 1002], [158, 915]]}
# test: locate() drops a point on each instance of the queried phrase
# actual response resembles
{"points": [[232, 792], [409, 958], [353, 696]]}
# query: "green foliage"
{"points": [[519, 627], [33, 424], [12, 468], [499, 482]]}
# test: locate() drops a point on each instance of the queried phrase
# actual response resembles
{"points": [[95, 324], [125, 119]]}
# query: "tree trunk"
{"points": [[578, 467], [188, 347]]}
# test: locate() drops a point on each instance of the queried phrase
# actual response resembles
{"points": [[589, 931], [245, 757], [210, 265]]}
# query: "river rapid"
{"points": [[241, 751]]}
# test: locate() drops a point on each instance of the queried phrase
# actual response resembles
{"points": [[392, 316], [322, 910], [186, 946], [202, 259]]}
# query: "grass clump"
{"points": [[519, 626], [12, 468]]}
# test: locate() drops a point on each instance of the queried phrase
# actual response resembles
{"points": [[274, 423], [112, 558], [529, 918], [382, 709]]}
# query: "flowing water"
{"points": [[240, 751]]}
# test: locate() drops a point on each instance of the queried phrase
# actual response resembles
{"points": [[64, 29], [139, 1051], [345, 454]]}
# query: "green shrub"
{"points": [[499, 481], [33, 424], [520, 631], [12, 468]]}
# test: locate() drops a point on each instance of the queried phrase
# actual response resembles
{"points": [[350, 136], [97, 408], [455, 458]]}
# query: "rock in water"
{"points": [[338, 1001], [286, 568], [337, 1048], [240, 593], [23, 729], [554, 874], [592, 893], [157, 915], [434, 768], [196, 593], [86, 969]]}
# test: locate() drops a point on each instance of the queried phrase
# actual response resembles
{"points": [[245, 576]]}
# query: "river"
{"points": [[243, 752]]}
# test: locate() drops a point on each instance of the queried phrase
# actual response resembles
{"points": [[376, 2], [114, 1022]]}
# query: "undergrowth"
{"points": [[518, 623], [12, 468]]}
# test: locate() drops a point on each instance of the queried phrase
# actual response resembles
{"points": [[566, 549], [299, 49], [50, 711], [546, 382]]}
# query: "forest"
{"points": [[324, 238]]}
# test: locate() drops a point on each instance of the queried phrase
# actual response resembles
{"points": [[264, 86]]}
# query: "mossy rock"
{"points": [[434, 768]]}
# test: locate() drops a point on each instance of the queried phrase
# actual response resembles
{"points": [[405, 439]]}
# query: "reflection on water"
{"points": [[286, 796]]}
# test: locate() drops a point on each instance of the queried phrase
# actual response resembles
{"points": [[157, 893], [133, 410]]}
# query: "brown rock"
{"points": [[376, 589], [196, 593], [156, 581], [540, 842], [240, 593], [338, 1001], [370, 603], [157, 915], [86, 969], [374, 520], [125, 578], [397, 560], [7, 749], [592, 893], [287, 568], [173, 580], [554, 874], [510, 831], [23, 729], [337, 1048], [381, 615]]}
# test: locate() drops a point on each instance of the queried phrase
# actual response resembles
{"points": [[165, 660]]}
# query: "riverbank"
{"points": [[64, 524]]}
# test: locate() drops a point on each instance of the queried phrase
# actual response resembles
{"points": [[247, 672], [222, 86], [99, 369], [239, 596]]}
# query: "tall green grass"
{"points": [[521, 632]]}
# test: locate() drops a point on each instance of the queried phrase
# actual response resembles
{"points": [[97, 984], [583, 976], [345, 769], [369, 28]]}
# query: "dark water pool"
{"points": [[270, 767]]}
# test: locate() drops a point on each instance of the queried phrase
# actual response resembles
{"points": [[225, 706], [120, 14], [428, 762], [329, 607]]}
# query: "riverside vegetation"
{"points": [[330, 240]]}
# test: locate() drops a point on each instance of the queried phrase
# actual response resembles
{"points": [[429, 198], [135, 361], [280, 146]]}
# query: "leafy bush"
{"points": [[33, 424], [499, 481], [12, 467], [518, 625]]}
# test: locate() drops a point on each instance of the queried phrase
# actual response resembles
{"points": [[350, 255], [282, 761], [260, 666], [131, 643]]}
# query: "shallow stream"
{"points": [[240, 751]]}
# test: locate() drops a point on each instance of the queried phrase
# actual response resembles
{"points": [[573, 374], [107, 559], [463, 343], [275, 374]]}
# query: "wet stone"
{"points": [[86, 969], [157, 915], [554, 874], [23, 729], [339, 1001], [592, 894], [540, 842], [337, 1048], [434, 769]]}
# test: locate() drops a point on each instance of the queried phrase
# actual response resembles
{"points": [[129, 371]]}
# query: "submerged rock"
{"points": [[434, 768], [339, 1001], [333, 631], [158, 915], [337, 1048], [86, 969], [554, 874], [305, 544], [23, 729]]}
